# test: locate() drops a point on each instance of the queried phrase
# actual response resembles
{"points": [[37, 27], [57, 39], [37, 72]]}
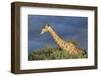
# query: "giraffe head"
{"points": [[45, 29]]}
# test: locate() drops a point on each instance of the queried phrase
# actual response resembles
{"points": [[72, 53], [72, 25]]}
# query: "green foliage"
{"points": [[49, 53]]}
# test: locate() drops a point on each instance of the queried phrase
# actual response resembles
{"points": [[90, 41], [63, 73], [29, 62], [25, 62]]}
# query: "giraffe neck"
{"points": [[56, 38], [69, 47]]}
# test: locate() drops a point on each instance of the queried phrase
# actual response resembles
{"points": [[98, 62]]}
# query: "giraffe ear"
{"points": [[47, 25]]}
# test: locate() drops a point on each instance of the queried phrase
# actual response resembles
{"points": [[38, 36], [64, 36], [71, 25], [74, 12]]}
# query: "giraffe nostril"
{"points": [[41, 32]]}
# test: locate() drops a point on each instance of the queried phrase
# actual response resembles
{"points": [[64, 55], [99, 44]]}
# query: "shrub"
{"points": [[49, 53]]}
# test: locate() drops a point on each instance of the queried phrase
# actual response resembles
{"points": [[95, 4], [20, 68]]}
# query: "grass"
{"points": [[50, 53]]}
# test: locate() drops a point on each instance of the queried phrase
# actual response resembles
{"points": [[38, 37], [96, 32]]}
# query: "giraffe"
{"points": [[67, 46]]}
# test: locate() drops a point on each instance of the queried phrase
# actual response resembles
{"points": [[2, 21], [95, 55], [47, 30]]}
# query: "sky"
{"points": [[67, 27]]}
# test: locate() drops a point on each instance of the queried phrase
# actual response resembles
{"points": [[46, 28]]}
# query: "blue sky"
{"points": [[67, 27]]}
